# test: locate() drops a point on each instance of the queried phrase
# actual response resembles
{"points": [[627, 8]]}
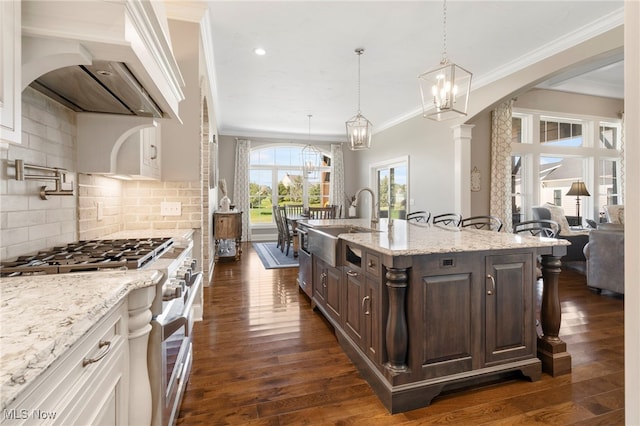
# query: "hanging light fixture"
{"points": [[445, 89], [358, 127], [311, 158]]}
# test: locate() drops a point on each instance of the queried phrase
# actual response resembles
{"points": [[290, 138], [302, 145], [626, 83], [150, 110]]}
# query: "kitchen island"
{"points": [[421, 309], [58, 334]]}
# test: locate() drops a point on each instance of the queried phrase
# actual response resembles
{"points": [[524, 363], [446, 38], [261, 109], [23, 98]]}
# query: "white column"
{"points": [[139, 328], [632, 210], [462, 168]]}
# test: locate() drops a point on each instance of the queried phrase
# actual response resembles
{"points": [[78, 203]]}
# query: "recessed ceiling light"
{"points": [[259, 51]]}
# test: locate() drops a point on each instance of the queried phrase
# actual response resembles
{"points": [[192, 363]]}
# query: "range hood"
{"points": [[112, 57], [102, 87]]}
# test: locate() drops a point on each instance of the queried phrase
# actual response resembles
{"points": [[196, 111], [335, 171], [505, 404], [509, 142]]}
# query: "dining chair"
{"points": [[328, 212], [294, 210], [448, 219], [287, 233], [488, 223], [419, 216], [537, 228], [278, 220]]}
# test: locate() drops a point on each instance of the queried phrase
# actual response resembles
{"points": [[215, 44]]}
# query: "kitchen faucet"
{"points": [[354, 203]]}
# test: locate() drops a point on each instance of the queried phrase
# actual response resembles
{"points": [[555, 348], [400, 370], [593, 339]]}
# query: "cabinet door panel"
{"points": [[319, 281], [334, 295], [372, 327], [509, 307], [447, 324], [353, 321]]}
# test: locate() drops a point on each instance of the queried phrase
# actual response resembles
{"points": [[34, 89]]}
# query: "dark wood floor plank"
{"points": [[262, 356]]}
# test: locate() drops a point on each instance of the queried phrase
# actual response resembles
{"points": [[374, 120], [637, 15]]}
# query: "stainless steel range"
{"points": [[169, 355], [170, 343], [91, 255]]}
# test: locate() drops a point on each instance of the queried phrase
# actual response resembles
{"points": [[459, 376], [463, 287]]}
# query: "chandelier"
{"points": [[358, 127], [311, 158], [445, 89]]}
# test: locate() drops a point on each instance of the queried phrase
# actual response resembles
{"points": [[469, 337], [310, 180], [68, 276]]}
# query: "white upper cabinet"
{"points": [[139, 155], [10, 63]]}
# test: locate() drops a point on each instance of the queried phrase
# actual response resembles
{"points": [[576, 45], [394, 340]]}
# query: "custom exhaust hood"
{"points": [[111, 61], [103, 87]]}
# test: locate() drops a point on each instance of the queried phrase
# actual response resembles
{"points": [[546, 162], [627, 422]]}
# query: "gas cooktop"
{"points": [[90, 255]]}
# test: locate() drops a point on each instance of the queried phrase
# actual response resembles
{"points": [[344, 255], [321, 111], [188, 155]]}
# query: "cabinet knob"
{"points": [[352, 273], [493, 285]]}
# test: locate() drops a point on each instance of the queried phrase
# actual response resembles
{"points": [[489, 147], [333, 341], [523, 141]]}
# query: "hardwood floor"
{"points": [[262, 356]]}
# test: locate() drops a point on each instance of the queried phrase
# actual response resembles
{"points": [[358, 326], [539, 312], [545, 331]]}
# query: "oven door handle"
{"points": [[172, 326]]}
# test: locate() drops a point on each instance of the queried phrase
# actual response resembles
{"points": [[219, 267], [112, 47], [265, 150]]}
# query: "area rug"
{"points": [[273, 258]]}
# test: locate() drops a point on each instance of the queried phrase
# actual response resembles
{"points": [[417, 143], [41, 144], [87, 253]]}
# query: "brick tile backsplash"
{"points": [[48, 139], [29, 224]]}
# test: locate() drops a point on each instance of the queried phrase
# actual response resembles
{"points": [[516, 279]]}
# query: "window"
{"points": [[517, 192], [557, 197], [391, 179], [560, 133], [276, 178], [549, 153]]}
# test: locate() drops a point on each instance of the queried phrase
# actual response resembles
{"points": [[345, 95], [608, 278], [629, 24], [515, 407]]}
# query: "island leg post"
{"points": [[552, 351], [396, 333]]}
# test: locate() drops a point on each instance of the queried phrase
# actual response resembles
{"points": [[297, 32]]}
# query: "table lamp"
{"points": [[578, 189]]}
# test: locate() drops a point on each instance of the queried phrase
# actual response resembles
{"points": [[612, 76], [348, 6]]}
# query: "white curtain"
{"points": [[336, 189], [241, 184], [500, 203]]}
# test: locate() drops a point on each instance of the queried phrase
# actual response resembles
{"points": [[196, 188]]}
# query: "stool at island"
{"points": [[227, 229]]}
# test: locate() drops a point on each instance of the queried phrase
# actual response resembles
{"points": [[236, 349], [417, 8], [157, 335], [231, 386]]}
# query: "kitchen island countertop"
{"points": [[405, 238], [42, 316]]}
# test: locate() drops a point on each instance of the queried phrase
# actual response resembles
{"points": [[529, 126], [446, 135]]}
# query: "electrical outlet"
{"points": [[100, 210], [412, 201], [168, 208]]}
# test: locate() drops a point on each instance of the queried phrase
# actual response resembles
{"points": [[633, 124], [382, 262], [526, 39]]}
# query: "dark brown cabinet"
{"points": [[474, 316], [426, 322], [361, 286], [509, 307], [327, 285]]}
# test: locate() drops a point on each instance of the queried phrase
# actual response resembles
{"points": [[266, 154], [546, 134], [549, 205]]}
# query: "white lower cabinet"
{"points": [[89, 385]]}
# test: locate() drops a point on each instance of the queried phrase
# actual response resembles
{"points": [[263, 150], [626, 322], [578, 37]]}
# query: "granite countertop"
{"points": [[177, 234], [42, 316], [414, 238]]}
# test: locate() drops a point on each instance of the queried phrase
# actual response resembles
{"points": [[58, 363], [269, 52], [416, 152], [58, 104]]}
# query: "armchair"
{"points": [[605, 258], [578, 239]]}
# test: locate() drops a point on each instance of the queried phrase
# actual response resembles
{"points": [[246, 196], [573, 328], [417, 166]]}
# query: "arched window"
{"points": [[276, 178]]}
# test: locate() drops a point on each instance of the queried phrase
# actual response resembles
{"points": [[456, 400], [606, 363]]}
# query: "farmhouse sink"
{"points": [[324, 242]]}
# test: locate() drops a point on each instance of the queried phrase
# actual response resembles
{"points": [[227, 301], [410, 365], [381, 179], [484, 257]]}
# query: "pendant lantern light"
{"points": [[445, 89], [358, 127], [311, 158]]}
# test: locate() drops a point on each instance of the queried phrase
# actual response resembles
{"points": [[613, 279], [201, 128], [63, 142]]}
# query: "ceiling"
{"points": [[310, 67]]}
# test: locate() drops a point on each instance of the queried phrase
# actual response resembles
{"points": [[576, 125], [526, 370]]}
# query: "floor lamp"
{"points": [[578, 189]]}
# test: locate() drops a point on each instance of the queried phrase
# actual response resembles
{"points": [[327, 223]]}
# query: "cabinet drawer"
{"points": [[58, 390], [372, 264]]}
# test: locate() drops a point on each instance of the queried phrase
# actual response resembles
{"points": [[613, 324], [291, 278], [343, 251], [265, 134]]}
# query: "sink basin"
{"points": [[334, 231], [323, 241]]}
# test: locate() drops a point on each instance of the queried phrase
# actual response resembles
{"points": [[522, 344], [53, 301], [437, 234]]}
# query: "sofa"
{"points": [[578, 239], [605, 258]]}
